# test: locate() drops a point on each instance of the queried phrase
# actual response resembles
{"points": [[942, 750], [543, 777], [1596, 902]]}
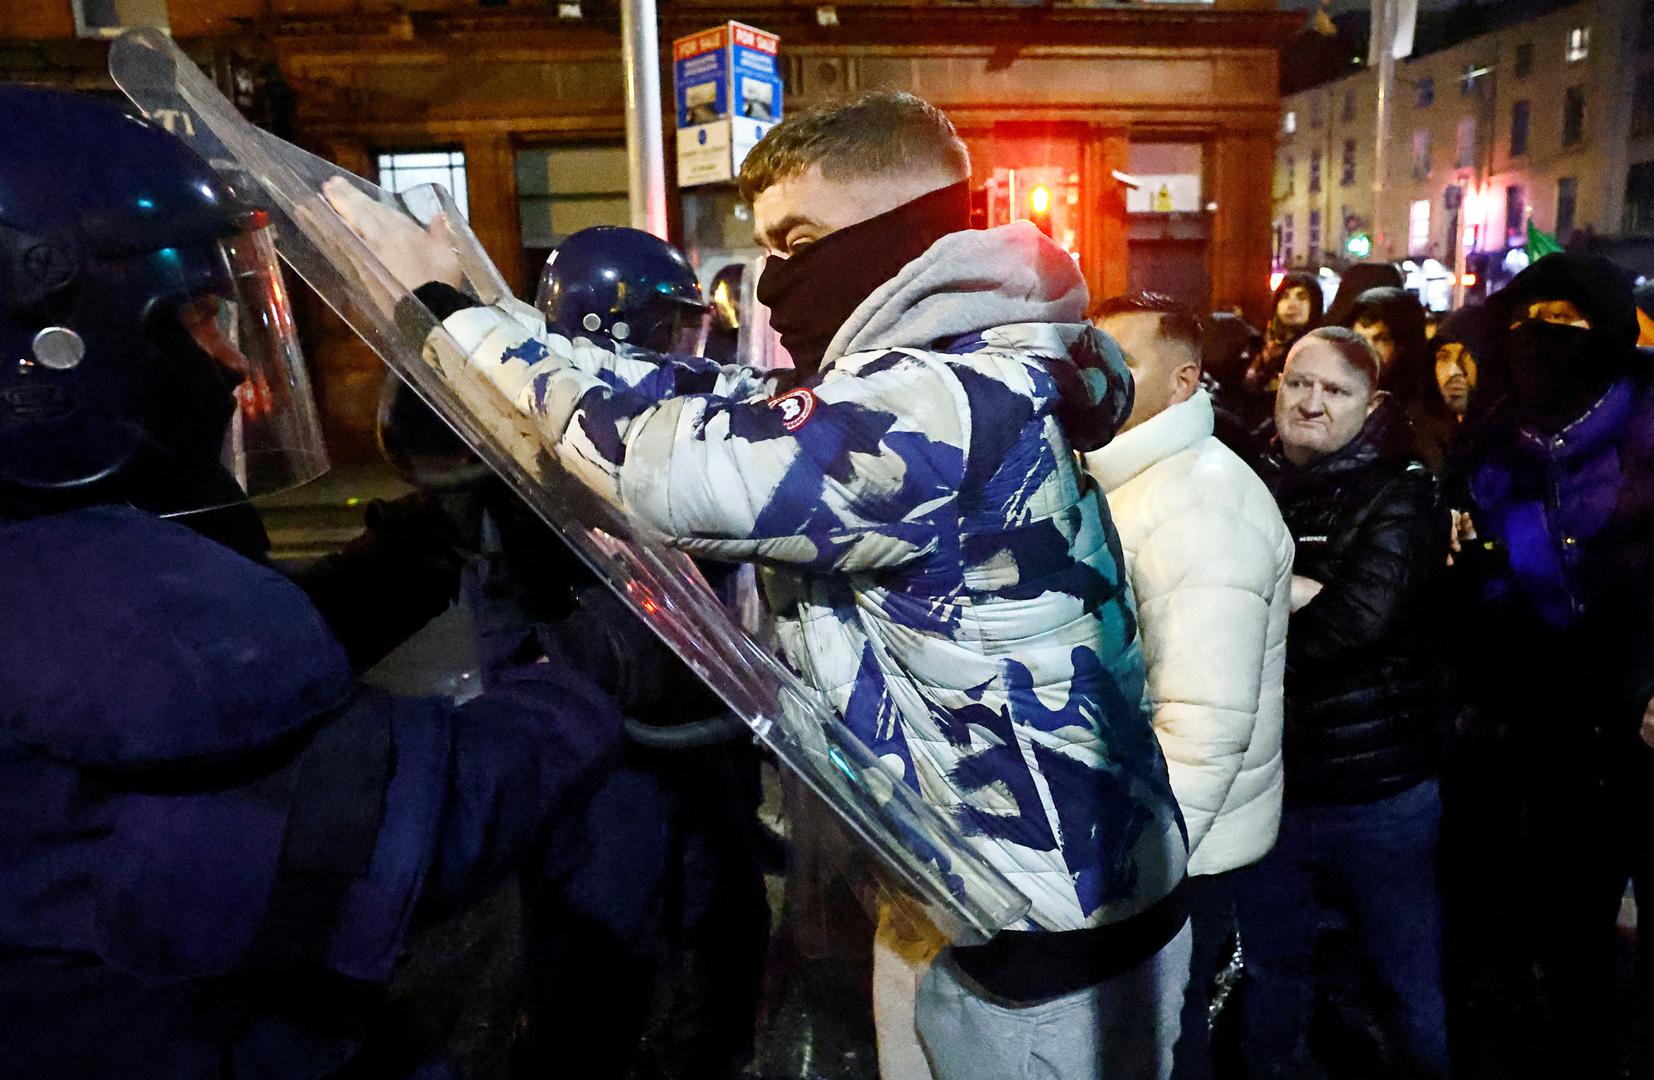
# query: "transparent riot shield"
{"points": [[916, 850]]}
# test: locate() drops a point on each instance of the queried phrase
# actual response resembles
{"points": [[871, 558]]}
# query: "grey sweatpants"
{"points": [[1122, 1029]]}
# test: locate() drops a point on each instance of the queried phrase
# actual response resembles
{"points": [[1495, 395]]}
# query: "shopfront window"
{"points": [[563, 189]]}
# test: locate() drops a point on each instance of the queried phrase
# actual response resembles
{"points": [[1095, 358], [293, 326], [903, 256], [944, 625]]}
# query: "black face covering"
{"points": [[1558, 371], [811, 294]]}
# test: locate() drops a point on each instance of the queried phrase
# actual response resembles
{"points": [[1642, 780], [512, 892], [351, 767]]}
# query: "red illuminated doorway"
{"points": [[1031, 172]]}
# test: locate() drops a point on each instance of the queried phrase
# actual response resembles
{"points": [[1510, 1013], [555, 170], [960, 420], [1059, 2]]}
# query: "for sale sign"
{"points": [[728, 88]]}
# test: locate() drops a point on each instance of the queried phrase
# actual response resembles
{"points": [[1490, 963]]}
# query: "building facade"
{"points": [[1548, 121], [1142, 130]]}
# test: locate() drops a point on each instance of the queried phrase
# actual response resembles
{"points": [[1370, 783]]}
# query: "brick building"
{"points": [[1149, 126], [1549, 120]]}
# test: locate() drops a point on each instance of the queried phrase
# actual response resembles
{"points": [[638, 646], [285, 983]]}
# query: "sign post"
{"points": [[728, 82], [645, 159]]}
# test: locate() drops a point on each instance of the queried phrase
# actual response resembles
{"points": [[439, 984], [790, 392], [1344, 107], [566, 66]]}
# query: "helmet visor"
{"points": [[688, 326], [244, 323]]}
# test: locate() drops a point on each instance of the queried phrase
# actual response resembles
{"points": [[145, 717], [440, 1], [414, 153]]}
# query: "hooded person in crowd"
{"points": [[1364, 716], [1392, 321], [1357, 280], [941, 572], [1294, 311], [1459, 349], [1561, 475], [1246, 405], [1211, 565]]}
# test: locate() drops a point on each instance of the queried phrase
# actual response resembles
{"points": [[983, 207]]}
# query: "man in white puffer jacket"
{"points": [[1210, 562]]}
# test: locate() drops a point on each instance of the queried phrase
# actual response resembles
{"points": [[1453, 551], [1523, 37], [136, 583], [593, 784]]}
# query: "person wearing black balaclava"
{"points": [[1561, 475], [931, 552]]}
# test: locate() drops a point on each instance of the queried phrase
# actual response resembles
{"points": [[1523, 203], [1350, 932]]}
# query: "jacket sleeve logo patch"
{"points": [[796, 406]]}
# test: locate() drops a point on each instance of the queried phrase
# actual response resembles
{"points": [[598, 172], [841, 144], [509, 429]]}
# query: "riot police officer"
{"points": [[213, 841], [664, 902]]}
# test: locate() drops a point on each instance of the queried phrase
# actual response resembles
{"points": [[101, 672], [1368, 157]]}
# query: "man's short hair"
{"points": [[1356, 350], [1178, 321], [871, 135]]}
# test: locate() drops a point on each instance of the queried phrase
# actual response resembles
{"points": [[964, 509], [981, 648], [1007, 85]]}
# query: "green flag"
{"points": [[1541, 244]]}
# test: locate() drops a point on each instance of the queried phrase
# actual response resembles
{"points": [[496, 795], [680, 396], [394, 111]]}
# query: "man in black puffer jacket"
{"points": [[1363, 713]]}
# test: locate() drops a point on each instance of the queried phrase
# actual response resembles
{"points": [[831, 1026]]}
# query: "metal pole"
{"points": [[645, 160], [1383, 38]]}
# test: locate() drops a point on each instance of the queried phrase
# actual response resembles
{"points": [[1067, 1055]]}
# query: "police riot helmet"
{"points": [[624, 285], [727, 298], [147, 347]]}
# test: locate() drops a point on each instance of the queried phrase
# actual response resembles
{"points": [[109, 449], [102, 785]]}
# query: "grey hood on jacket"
{"points": [[1015, 281]]}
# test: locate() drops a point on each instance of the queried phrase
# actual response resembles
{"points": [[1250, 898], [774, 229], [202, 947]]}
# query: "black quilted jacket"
{"points": [[1365, 715]]}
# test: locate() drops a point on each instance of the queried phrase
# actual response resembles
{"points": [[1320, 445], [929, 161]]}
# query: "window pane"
{"points": [[1516, 215], [563, 189], [1519, 128], [572, 170], [401, 171], [1639, 199], [1579, 44], [1642, 106], [1567, 196], [1464, 150], [1524, 59], [1573, 116], [1426, 91], [1418, 228], [1421, 153]]}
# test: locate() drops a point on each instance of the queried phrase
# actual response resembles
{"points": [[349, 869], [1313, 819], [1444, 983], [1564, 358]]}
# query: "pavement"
{"points": [[319, 517]]}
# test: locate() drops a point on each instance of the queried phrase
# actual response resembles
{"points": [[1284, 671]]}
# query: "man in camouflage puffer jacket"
{"points": [[940, 568]]}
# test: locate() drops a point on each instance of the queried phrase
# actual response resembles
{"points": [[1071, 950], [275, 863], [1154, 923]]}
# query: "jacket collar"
{"points": [[1169, 432], [1374, 442], [1602, 423], [967, 282]]}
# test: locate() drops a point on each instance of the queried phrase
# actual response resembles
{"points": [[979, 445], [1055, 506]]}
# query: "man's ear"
{"points": [[1378, 399], [1187, 381]]}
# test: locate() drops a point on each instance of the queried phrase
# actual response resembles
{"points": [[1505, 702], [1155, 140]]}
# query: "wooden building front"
{"points": [[1064, 108]]}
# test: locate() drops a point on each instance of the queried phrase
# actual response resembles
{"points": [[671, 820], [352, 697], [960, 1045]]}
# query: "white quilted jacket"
{"points": [[1210, 562]]}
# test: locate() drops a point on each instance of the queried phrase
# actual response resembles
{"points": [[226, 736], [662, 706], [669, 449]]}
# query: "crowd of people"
{"points": [[1197, 636]]}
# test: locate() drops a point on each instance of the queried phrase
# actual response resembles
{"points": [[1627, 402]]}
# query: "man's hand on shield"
{"points": [[413, 253]]}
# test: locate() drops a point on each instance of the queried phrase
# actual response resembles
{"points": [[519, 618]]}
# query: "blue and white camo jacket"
{"points": [[939, 566]]}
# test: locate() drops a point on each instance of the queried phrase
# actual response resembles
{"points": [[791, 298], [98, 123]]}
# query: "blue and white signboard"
{"points": [[728, 82]]}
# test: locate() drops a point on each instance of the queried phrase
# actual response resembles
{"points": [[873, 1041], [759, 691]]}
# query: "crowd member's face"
{"points": [[1322, 404], [1455, 375], [1165, 372], [1564, 312], [1377, 333], [791, 214], [1294, 307]]}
